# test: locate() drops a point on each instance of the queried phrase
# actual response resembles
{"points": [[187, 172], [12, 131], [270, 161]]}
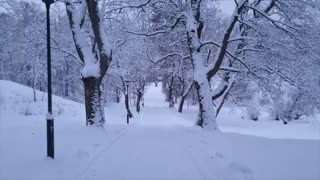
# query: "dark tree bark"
{"points": [[117, 96], [139, 98], [220, 93], [170, 93], [34, 94], [126, 101], [201, 108], [66, 89], [183, 97], [93, 101], [224, 91], [125, 89], [181, 103], [142, 102]]}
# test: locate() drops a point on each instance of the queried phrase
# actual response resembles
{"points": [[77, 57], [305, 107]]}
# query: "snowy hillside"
{"points": [[159, 143]]}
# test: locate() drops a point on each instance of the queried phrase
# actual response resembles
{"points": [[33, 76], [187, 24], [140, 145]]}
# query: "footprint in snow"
{"points": [[219, 155], [82, 154], [240, 171]]}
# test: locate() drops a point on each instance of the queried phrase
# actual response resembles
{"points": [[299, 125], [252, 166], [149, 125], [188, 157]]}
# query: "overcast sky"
{"points": [[227, 6]]}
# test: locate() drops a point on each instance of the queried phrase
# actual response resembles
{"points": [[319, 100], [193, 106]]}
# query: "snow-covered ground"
{"points": [[158, 144]]}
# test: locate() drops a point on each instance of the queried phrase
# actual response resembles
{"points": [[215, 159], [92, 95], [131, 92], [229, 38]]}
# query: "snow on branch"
{"points": [[140, 6], [248, 49], [82, 47], [63, 50], [188, 88], [241, 38], [225, 93], [281, 75], [171, 27], [241, 62], [219, 90], [209, 43], [213, 68], [230, 54], [276, 23], [91, 66], [223, 68], [177, 41], [82, 12], [148, 34], [98, 31], [248, 24], [167, 56]]}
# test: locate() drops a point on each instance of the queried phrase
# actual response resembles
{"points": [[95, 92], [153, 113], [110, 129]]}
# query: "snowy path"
{"points": [[164, 153], [157, 145], [142, 153]]}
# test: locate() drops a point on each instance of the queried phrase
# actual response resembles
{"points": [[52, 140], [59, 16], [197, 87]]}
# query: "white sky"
{"points": [[227, 6]]}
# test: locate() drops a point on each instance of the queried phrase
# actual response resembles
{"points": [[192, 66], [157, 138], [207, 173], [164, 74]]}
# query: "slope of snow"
{"points": [[229, 120], [159, 143]]}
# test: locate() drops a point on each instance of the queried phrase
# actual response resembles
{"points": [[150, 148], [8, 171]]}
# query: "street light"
{"points": [[49, 117]]}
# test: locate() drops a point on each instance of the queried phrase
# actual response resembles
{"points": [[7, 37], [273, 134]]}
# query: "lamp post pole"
{"points": [[50, 119]]}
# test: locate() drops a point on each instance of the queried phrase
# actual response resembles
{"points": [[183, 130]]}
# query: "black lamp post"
{"points": [[50, 119]]}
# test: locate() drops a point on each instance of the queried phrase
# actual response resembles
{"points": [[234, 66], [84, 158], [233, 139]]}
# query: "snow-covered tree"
{"points": [[94, 52]]}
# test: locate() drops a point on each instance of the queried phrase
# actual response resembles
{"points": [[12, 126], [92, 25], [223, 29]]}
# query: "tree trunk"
{"points": [[170, 93], [224, 95], [142, 101], [101, 55], [66, 89], [207, 118], [139, 97], [117, 96], [126, 101], [181, 104], [34, 89], [184, 94], [34, 94], [207, 111], [93, 101], [194, 99]]}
